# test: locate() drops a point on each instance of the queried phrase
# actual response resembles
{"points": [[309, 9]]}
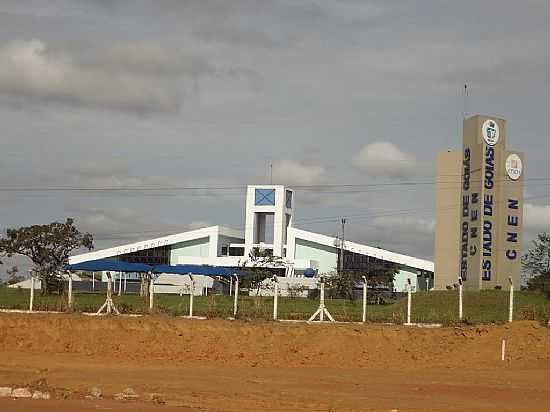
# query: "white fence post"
{"points": [[119, 283], [460, 298], [275, 298], [409, 298], [31, 300], [321, 310], [70, 297], [511, 309], [93, 281], [191, 295], [235, 301], [364, 299], [322, 301], [151, 292], [109, 294]]}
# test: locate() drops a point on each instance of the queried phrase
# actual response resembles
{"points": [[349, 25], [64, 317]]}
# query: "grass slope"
{"points": [[433, 307]]}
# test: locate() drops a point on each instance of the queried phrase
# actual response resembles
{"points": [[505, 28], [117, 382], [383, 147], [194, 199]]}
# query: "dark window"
{"points": [[289, 199], [236, 251], [154, 256]]}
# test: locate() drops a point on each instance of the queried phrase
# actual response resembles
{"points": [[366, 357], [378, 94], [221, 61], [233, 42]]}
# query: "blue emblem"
{"points": [[491, 130]]}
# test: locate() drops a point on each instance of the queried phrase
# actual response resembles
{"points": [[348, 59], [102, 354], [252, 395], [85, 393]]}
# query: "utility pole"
{"points": [[341, 265]]}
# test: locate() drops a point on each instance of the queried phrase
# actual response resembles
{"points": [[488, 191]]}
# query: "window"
{"points": [[264, 197], [236, 251], [154, 256], [289, 199]]}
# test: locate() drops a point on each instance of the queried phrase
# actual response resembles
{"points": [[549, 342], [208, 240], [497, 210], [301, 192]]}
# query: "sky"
{"points": [[356, 94]]}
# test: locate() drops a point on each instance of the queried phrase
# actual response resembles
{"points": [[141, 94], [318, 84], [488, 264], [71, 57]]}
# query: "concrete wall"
{"points": [[168, 283], [325, 255], [286, 285], [400, 281], [195, 248]]}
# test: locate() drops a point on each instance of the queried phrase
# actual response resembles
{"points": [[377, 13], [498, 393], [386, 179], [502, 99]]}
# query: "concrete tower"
{"points": [[268, 215], [485, 230]]}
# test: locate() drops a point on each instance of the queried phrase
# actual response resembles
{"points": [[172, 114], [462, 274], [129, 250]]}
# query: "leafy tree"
{"points": [[343, 284], [540, 283], [48, 247], [536, 265], [382, 275], [537, 259], [13, 276], [260, 265], [379, 277]]}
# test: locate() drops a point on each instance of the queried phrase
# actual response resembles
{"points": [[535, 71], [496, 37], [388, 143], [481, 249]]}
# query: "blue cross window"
{"points": [[265, 197]]}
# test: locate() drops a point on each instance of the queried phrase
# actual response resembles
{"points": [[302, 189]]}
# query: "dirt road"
{"points": [[219, 365]]}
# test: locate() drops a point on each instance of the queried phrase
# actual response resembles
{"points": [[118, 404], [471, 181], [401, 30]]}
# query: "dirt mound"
{"points": [[271, 344], [218, 365]]}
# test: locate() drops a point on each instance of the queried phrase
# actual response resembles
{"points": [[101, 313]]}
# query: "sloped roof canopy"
{"points": [[110, 265], [120, 266], [195, 270]]}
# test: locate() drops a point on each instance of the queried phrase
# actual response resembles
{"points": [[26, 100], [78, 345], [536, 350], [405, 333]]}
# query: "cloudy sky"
{"points": [[200, 93]]}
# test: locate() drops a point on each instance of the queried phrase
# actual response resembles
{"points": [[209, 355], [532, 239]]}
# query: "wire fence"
{"points": [[435, 307]]}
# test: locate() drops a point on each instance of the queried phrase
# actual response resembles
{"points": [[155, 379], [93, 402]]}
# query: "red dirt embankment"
{"points": [[235, 365]]}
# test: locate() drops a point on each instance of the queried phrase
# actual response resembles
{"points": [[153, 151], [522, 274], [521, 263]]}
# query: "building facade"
{"points": [[268, 216]]}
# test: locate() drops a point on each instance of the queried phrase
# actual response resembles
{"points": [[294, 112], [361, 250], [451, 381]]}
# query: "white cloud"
{"points": [[31, 69], [293, 173], [385, 159]]}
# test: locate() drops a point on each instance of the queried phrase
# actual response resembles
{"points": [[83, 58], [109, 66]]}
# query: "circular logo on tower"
{"points": [[514, 166], [490, 132]]}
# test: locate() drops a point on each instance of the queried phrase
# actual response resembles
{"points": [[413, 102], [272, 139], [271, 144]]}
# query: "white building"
{"points": [[269, 214]]}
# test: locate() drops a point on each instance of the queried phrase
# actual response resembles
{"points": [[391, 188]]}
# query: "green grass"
{"points": [[433, 307]]}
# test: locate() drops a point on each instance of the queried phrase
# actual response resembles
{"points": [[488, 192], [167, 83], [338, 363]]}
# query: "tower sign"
{"points": [[489, 217]]}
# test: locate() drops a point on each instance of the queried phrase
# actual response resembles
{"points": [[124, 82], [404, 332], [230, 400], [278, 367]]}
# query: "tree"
{"points": [[379, 277], [260, 265], [540, 283], [13, 276], [343, 284], [48, 247], [536, 264], [537, 259]]}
